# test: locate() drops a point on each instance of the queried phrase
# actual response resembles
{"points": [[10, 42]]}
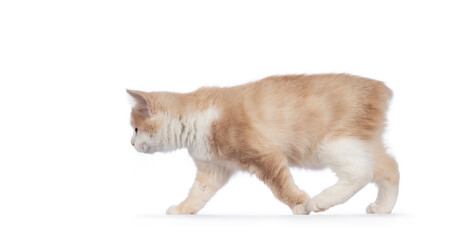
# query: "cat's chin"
{"points": [[145, 149], [149, 151]]}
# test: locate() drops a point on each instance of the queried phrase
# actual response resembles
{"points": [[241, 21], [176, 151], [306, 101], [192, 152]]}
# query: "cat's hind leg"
{"points": [[352, 161], [386, 177]]}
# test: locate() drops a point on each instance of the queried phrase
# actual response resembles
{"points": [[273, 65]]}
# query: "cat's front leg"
{"points": [[210, 178], [273, 170]]}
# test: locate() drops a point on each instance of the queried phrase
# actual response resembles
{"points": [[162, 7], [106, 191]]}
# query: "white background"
{"points": [[68, 171]]}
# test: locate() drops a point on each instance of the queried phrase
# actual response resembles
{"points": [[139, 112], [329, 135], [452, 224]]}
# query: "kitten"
{"points": [[265, 127]]}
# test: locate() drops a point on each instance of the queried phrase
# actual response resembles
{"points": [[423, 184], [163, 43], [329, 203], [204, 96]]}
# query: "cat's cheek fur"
{"points": [[191, 132]]}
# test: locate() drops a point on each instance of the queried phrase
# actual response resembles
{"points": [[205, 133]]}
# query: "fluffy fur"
{"points": [[265, 127]]}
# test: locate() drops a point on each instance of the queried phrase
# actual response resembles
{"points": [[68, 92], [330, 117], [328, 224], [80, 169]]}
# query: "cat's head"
{"points": [[146, 121]]}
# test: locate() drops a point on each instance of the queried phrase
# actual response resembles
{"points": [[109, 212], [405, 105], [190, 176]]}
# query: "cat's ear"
{"points": [[142, 102]]}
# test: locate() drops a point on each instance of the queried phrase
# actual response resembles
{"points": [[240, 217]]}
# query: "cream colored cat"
{"points": [[265, 127]]}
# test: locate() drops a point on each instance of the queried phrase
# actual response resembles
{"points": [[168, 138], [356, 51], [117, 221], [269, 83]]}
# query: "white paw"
{"points": [[376, 209], [180, 210], [173, 210], [300, 209], [317, 204]]}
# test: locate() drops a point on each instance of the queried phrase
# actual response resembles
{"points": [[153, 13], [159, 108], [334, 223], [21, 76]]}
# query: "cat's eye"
{"points": [[136, 130]]}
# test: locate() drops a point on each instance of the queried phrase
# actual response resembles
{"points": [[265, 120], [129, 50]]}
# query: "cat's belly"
{"points": [[303, 158], [307, 163], [200, 153]]}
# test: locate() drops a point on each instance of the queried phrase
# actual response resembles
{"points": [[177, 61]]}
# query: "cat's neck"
{"points": [[189, 128]]}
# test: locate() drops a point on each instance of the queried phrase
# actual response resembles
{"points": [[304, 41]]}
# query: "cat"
{"points": [[317, 121]]}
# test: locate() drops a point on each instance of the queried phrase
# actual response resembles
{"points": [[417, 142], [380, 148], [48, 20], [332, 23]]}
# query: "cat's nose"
{"points": [[133, 144]]}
